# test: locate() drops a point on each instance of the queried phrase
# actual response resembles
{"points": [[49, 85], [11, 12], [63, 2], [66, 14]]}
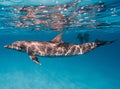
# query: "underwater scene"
{"points": [[59, 44]]}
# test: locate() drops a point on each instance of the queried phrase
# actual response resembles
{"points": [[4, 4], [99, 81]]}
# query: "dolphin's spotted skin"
{"points": [[56, 47], [53, 49]]}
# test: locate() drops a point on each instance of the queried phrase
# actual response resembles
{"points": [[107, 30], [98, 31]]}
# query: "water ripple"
{"points": [[97, 16]]}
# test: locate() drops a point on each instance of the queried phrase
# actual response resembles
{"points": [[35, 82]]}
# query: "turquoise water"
{"points": [[98, 69]]}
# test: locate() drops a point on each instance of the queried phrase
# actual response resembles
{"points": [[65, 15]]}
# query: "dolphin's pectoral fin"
{"points": [[35, 59]]}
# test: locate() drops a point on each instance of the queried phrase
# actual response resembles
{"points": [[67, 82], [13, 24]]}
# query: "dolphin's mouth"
{"points": [[12, 47], [7, 46]]}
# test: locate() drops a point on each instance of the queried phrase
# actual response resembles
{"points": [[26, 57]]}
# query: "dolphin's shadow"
{"points": [[83, 37]]}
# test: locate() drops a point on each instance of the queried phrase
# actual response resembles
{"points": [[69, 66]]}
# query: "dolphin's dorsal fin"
{"points": [[57, 38]]}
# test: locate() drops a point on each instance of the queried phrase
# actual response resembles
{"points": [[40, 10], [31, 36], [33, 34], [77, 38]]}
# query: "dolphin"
{"points": [[55, 47]]}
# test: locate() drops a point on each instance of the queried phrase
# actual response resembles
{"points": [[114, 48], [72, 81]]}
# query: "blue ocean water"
{"points": [[98, 69]]}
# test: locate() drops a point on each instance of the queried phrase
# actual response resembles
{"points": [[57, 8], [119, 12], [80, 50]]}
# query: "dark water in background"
{"points": [[98, 69]]}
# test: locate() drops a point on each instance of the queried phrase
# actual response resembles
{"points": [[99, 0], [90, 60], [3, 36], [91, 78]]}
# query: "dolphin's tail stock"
{"points": [[100, 42]]}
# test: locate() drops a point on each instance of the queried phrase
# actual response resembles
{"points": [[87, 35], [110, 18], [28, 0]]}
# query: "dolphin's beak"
{"points": [[7, 46]]}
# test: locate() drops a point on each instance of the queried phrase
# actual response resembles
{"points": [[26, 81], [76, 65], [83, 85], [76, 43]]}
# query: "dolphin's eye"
{"points": [[22, 47]]}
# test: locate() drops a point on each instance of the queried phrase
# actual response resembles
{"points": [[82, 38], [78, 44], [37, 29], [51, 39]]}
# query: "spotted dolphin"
{"points": [[55, 47]]}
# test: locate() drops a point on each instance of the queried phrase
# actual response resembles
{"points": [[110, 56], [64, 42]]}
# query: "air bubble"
{"points": [[56, 2], [2, 8]]}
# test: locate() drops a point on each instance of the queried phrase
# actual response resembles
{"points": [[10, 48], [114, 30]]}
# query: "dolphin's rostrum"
{"points": [[55, 47]]}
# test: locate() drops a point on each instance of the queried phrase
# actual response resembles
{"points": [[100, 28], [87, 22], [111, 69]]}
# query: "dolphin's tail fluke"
{"points": [[100, 43]]}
